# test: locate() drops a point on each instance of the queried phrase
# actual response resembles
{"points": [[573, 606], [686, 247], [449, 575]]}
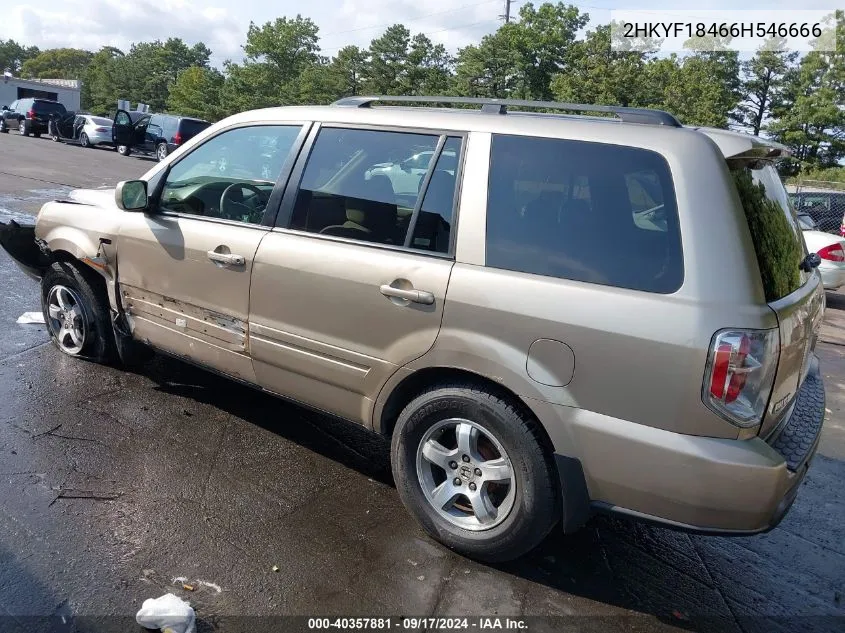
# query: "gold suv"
{"points": [[549, 314]]}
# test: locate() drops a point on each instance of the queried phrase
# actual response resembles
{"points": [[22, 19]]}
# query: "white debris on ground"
{"points": [[30, 318], [183, 580], [168, 613]]}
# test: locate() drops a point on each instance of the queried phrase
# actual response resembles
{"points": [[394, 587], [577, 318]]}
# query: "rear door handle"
{"points": [[415, 296], [229, 259]]}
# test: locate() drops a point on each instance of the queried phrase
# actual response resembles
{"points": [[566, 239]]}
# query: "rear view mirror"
{"points": [[131, 195]]}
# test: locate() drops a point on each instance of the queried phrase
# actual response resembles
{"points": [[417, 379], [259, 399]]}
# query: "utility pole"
{"points": [[507, 15]]}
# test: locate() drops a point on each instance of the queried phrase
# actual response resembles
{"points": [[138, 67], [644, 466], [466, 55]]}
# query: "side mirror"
{"points": [[131, 195]]}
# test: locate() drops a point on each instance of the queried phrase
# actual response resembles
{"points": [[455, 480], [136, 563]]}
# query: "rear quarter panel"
{"points": [[639, 356]]}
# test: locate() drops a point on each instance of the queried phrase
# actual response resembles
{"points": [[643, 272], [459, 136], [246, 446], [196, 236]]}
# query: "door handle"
{"points": [[226, 258], [415, 296]]}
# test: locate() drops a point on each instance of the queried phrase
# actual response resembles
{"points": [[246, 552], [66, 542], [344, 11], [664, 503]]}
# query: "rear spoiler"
{"points": [[737, 146]]}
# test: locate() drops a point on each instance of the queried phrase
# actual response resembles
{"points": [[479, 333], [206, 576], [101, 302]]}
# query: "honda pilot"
{"points": [[589, 309]]}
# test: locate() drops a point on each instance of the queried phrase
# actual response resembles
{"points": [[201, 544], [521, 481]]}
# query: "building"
{"points": [[65, 91]]}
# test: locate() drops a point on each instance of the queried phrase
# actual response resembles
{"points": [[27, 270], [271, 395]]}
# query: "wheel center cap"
{"points": [[466, 472]]}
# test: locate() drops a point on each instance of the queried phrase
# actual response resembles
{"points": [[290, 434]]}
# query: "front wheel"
{"points": [[76, 312], [471, 468], [83, 140]]}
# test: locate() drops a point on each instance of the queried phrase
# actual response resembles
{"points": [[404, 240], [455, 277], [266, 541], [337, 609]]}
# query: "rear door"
{"points": [[351, 284], [123, 129], [794, 293]]}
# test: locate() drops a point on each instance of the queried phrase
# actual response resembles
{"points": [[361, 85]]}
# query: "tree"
{"points": [[763, 83], [151, 67], [58, 63], [597, 74], [350, 66], [810, 119], [196, 93], [520, 58], [103, 82], [13, 55], [387, 70], [277, 54], [429, 67]]}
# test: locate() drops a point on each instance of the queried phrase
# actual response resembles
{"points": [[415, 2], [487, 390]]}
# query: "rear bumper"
{"points": [[697, 484]]}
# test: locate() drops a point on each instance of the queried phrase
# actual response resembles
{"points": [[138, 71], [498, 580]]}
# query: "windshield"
{"points": [[774, 228]]}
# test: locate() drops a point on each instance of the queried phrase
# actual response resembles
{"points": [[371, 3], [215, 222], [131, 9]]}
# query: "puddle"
{"points": [[17, 216]]}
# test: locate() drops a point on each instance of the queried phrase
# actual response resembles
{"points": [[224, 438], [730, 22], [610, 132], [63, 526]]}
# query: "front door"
{"points": [[351, 286], [185, 266]]}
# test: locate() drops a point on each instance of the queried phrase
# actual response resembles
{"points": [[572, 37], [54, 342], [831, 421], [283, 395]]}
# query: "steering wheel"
{"points": [[232, 209]]}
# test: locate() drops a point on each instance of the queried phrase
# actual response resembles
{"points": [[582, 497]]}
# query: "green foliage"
{"points": [[13, 55], [764, 79], [196, 93], [540, 55], [810, 118], [829, 174], [777, 248], [57, 63]]}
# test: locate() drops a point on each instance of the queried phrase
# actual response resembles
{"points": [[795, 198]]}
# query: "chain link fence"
{"points": [[824, 201]]}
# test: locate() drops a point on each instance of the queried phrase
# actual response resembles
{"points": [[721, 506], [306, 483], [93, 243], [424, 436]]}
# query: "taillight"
{"points": [[842, 230], [101, 129], [832, 253], [177, 139], [30, 114], [740, 374]]}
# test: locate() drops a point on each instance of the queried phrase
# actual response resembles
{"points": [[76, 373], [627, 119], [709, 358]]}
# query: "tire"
{"points": [[23, 128], [3, 129], [161, 151], [84, 141], [528, 504], [85, 311], [123, 150], [54, 138]]}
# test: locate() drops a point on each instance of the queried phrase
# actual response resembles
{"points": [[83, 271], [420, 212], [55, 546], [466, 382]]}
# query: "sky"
{"points": [[222, 24]]}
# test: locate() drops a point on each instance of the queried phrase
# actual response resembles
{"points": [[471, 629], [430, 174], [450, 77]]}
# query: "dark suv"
{"points": [[29, 116], [156, 134]]}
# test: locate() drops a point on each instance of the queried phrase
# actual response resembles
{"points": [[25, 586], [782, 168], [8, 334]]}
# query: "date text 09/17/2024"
{"points": [[419, 623]]}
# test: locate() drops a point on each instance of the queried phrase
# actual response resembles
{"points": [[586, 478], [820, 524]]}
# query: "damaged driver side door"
{"points": [[184, 265]]}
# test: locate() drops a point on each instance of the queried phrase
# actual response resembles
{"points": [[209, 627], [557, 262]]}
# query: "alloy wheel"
{"points": [[466, 474], [67, 321]]}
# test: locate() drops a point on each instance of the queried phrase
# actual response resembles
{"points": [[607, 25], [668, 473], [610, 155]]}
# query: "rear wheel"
{"points": [[123, 150], [23, 128], [471, 468], [161, 151], [3, 128], [76, 312]]}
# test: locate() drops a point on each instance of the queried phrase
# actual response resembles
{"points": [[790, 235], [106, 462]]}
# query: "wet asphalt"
{"points": [[116, 487]]}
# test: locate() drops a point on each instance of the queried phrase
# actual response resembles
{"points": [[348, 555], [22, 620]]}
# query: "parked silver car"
{"points": [[581, 314]]}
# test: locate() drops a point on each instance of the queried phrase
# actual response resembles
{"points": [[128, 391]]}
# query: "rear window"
{"points": [[192, 127], [592, 212], [774, 228], [98, 120], [48, 107]]}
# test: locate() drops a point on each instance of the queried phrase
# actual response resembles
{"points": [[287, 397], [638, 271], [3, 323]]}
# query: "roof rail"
{"points": [[500, 106]]}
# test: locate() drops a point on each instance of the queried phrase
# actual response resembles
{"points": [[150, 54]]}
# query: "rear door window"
{"points": [[778, 242], [356, 186], [589, 212]]}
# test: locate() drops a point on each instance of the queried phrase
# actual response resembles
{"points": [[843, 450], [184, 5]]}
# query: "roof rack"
{"points": [[500, 106]]}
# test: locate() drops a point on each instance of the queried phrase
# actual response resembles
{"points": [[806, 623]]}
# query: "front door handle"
{"points": [[415, 296], [229, 259]]}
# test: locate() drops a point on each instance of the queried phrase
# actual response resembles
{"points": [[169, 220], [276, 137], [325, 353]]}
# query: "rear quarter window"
{"points": [[192, 127], [590, 212], [49, 107], [777, 238]]}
